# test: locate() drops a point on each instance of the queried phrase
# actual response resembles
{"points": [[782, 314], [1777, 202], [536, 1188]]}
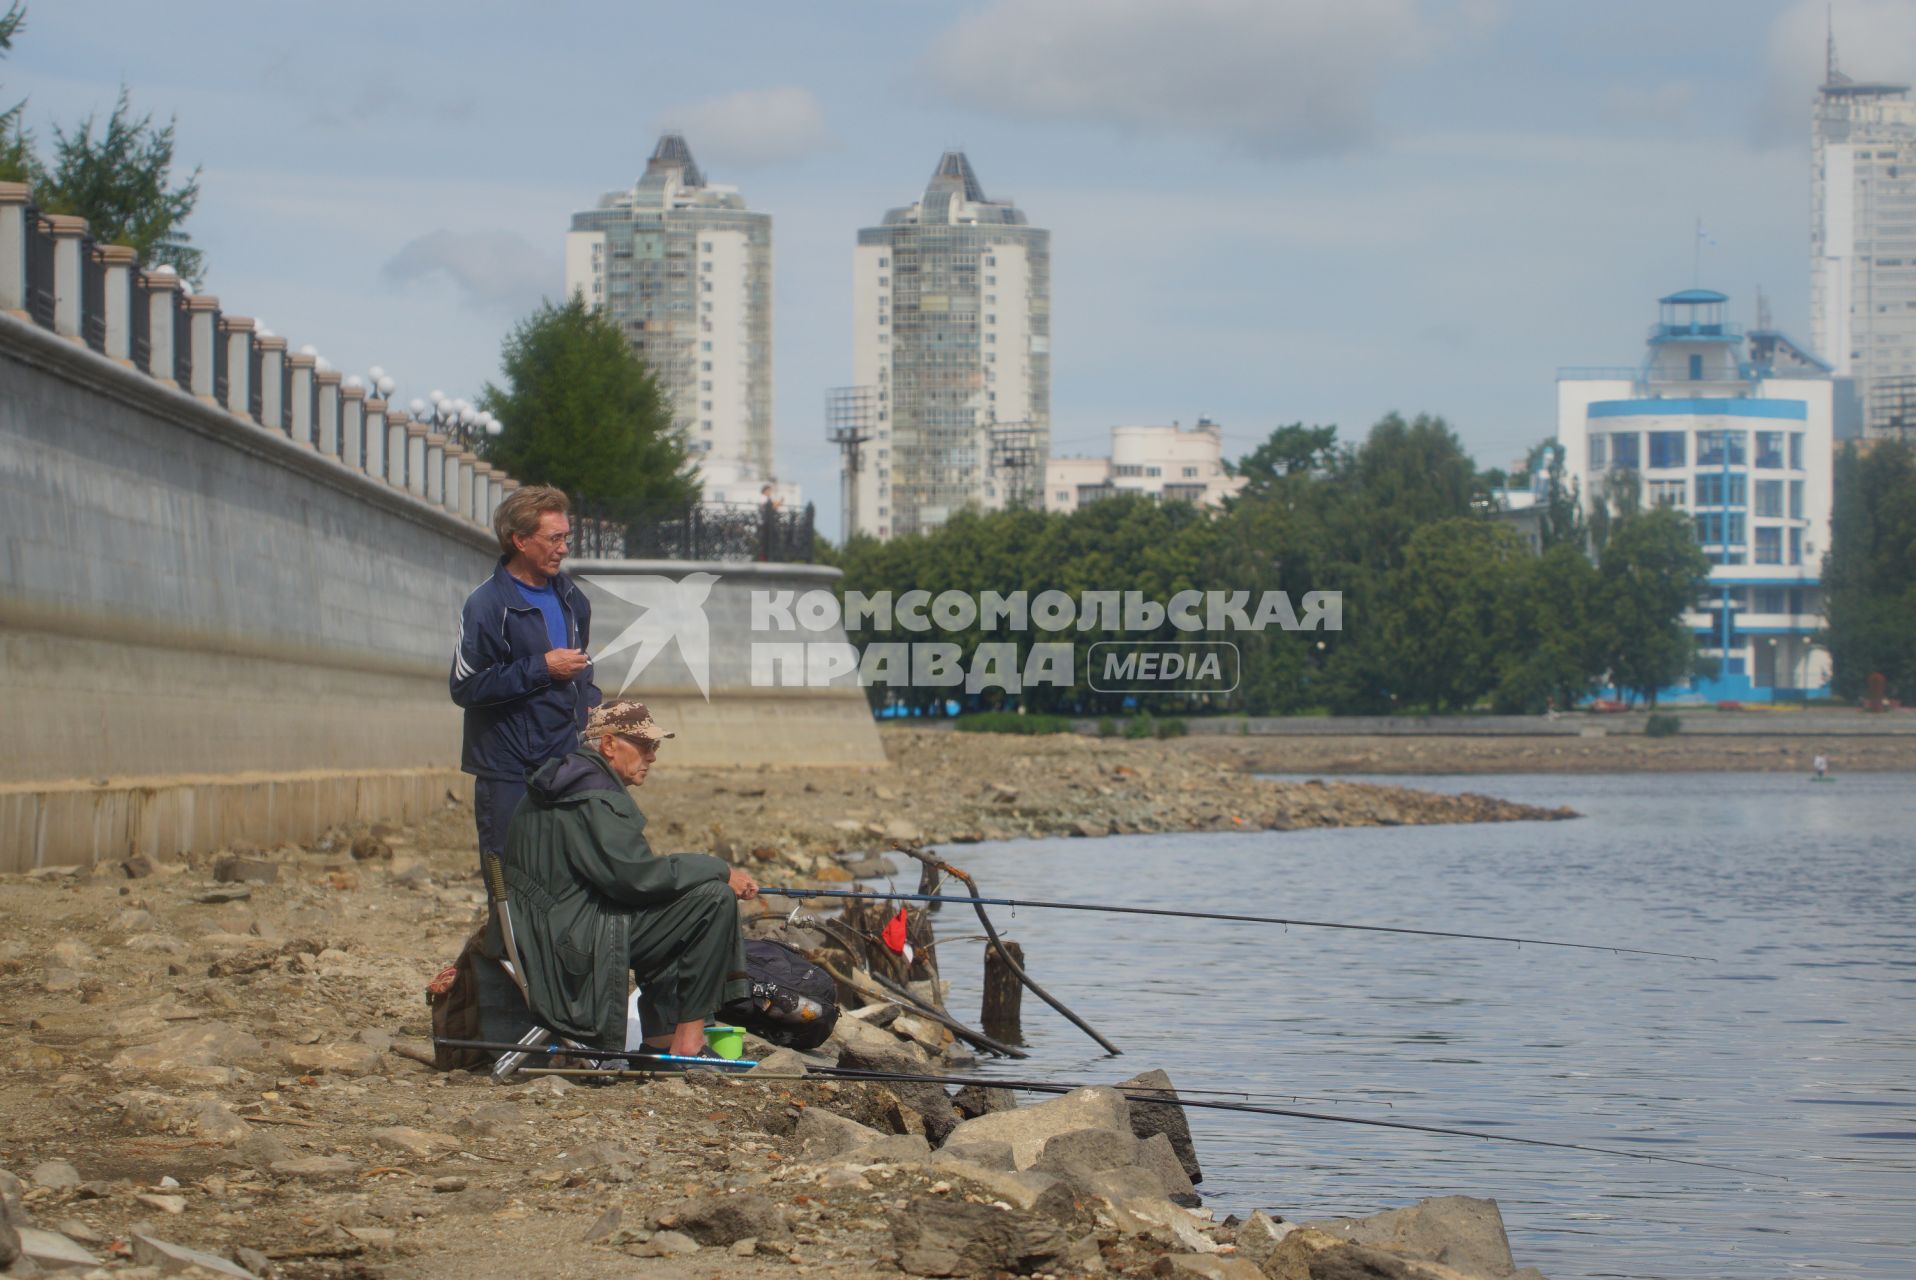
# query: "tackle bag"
{"points": [[453, 997], [794, 1003]]}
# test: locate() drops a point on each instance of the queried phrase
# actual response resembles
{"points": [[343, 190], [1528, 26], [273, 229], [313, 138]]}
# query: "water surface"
{"points": [[1793, 1054]]}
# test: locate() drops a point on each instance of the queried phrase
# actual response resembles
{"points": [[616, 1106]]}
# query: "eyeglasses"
{"points": [[552, 539]]}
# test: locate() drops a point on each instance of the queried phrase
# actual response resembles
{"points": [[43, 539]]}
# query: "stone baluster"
{"points": [[116, 264], [326, 410], [482, 492], [506, 487], [375, 437], [416, 435], [14, 197], [300, 423], [449, 490], [200, 337], [237, 333], [162, 306], [397, 422], [272, 382], [436, 469], [68, 272], [352, 425]]}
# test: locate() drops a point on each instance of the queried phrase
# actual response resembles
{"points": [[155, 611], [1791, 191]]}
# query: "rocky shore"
{"points": [[213, 1066]]}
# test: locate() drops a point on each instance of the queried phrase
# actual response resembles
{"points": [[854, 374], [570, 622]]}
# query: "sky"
{"points": [[1262, 211]]}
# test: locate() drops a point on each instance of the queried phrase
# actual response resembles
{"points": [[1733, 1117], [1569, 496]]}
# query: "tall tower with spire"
{"points": [[685, 270], [1863, 241], [951, 318]]}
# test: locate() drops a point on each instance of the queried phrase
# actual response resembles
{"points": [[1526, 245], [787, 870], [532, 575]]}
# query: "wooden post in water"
{"points": [[1003, 994], [928, 877]]}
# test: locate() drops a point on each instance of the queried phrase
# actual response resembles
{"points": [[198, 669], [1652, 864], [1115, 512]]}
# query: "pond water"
{"points": [[1793, 1053]]}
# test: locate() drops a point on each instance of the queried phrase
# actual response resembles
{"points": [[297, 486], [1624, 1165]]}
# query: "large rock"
{"points": [[724, 1220], [12, 1218], [1083, 1152], [824, 1135], [1166, 1118], [51, 1251], [937, 1237], [1204, 1266], [188, 1047], [1257, 1239], [930, 1101], [1021, 1190], [1027, 1129], [175, 1259], [208, 1118], [1462, 1233], [1308, 1254]]}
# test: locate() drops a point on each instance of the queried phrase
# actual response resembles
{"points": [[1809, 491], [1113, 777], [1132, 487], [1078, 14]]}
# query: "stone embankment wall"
{"points": [[230, 580]]}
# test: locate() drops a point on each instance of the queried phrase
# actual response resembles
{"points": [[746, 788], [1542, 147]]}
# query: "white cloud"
{"points": [[1659, 106], [752, 128], [1274, 77], [1875, 40], [489, 268]]}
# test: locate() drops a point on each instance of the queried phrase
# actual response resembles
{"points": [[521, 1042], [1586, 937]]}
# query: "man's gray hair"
{"points": [[519, 513]]}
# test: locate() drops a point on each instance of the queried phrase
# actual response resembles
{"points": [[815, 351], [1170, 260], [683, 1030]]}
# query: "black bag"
{"points": [[453, 997], [794, 1003]]}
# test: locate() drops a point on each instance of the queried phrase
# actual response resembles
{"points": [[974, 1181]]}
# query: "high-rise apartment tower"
{"points": [[1863, 247], [951, 322], [685, 270]]}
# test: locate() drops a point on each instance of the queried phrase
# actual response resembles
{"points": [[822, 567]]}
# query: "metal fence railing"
{"points": [[742, 531]]}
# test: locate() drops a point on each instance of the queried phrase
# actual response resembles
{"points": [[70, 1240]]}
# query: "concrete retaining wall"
{"points": [[210, 632]]}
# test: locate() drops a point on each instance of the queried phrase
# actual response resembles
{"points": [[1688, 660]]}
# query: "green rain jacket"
{"points": [[580, 877]]}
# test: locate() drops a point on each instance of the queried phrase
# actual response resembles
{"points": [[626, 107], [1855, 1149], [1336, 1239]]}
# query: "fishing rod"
{"points": [[1134, 1094], [1216, 915]]}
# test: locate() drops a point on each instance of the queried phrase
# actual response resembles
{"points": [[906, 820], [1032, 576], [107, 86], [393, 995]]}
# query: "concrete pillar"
{"points": [[375, 437], [482, 492], [352, 426], [116, 263], [13, 246], [69, 295], [272, 382], [466, 476], [326, 412], [237, 333], [200, 337], [506, 487], [397, 423], [162, 305], [449, 489], [436, 469], [299, 398], [416, 434]]}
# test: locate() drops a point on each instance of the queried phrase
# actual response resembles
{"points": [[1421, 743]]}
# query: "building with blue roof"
{"points": [[1735, 429]]}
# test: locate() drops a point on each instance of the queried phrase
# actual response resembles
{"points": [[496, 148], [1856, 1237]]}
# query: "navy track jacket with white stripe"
{"points": [[517, 716]]}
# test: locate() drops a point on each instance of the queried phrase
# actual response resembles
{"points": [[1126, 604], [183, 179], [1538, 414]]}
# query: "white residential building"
{"points": [[1863, 248], [1735, 430], [685, 270], [951, 330], [1171, 464]]}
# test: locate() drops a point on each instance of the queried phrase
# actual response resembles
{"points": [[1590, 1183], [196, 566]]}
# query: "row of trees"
{"points": [[1445, 607]]}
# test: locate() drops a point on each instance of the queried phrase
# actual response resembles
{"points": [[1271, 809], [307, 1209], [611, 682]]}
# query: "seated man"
{"points": [[590, 900]]}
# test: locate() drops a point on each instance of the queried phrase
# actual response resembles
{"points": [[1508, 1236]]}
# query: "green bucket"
{"points": [[726, 1042]]}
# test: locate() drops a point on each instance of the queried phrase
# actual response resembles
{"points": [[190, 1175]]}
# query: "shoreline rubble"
{"points": [[212, 1068]]}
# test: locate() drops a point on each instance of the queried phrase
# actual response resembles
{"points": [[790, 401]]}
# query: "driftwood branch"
{"points": [[991, 932]]}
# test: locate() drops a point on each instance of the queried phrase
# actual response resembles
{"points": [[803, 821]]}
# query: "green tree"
{"points": [[582, 413], [1870, 573], [121, 182], [16, 148], [1550, 653], [1440, 620], [1650, 574]]}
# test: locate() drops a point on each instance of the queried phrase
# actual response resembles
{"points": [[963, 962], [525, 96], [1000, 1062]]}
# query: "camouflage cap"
{"points": [[626, 719]]}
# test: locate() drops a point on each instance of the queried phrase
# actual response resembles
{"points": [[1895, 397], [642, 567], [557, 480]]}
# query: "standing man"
{"points": [[520, 669]]}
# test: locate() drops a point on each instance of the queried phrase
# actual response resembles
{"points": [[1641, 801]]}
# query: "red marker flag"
{"points": [[894, 936]]}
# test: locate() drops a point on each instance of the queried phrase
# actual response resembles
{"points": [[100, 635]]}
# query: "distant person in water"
{"points": [[1822, 766]]}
